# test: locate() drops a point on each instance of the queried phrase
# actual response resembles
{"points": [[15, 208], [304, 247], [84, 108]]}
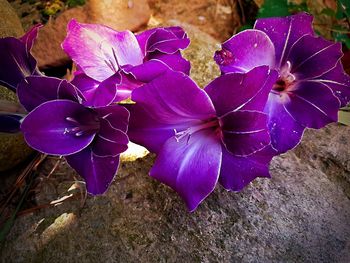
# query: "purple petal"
{"points": [[313, 105], [29, 37], [238, 172], [99, 50], [285, 131], [244, 132], [98, 172], [55, 127], [245, 51], [174, 98], [10, 123], [191, 167], [166, 41], [146, 130], [285, 31], [241, 91], [86, 85], [35, 90], [174, 61], [313, 56], [15, 63], [109, 141], [338, 81], [147, 71], [116, 115]]}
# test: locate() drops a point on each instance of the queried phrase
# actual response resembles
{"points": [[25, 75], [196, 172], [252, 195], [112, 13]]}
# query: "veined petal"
{"points": [[98, 172], [245, 51], [313, 105], [52, 127], [35, 90], [174, 61], [338, 81], [284, 32], [237, 172], [313, 56], [99, 50], [235, 91], [86, 85], [284, 130], [244, 132], [173, 98], [29, 37], [190, 166], [116, 115], [15, 63]]}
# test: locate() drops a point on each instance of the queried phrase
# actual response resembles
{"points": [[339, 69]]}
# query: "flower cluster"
{"points": [[277, 79]]}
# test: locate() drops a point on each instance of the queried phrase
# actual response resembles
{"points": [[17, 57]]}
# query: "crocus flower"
{"points": [[111, 64], [91, 139], [16, 63], [202, 136], [312, 84]]}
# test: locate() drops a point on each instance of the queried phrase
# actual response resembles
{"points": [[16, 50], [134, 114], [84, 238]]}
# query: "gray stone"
{"points": [[13, 149]]}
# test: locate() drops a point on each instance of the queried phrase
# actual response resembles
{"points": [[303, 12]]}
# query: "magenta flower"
{"points": [[204, 136], [114, 63], [91, 139], [312, 84]]}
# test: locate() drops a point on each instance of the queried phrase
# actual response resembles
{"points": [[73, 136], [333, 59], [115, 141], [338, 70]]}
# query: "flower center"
{"points": [[213, 123], [224, 57], [286, 80], [81, 128]]}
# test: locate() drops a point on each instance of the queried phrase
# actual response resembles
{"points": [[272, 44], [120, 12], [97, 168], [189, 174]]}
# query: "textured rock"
{"points": [[117, 14], [13, 149]]}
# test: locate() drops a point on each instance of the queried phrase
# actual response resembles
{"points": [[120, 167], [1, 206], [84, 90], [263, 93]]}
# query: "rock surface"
{"points": [[13, 149], [117, 14]]}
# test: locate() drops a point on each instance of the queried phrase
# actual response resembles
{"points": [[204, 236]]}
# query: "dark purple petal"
{"points": [[313, 56], [241, 91], [313, 105], [285, 131], [35, 90], [338, 81], [174, 61], [146, 130], [284, 32], [60, 127], [106, 92], [166, 41], [237, 172], [29, 37], [147, 71], [174, 98], [109, 141], [191, 167], [98, 172], [86, 85], [116, 115], [245, 51], [244, 132], [99, 50], [10, 123], [15, 63], [143, 37]]}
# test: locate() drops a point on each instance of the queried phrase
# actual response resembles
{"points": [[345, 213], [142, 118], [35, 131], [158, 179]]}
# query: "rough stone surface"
{"points": [[117, 14], [13, 149], [300, 215]]}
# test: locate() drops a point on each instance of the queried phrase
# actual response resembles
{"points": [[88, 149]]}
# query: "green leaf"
{"points": [[344, 5], [273, 8], [328, 12]]}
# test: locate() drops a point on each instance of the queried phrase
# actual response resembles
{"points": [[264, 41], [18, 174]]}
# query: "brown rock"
{"points": [[117, 14], [10, 24]]}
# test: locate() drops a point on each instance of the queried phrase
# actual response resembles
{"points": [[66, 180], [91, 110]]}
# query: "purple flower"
{"points": [[16, 62], [312, 84], [202, 136], [91, 139], [111, 63]]}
